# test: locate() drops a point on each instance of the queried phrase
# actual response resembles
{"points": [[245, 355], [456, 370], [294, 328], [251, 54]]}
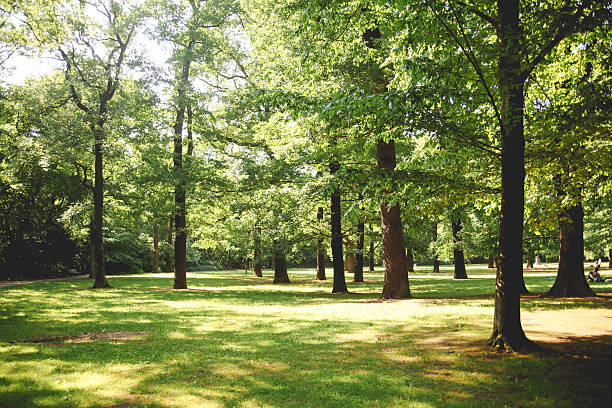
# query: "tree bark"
{"points": [[98, 241], [371, 260], [257, 268], [459, 260], [92, 253], [350, 257], [436, 262], [180, 240], [359, 256], [396, 285], [155, 268], [508, 332], [280, 265], [409, 260], [170, 242], [336, 239], [610, 258], [570, 281], [320, 251]]}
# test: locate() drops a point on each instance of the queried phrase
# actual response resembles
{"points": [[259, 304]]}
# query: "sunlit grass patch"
{"points": [[233, 340]]}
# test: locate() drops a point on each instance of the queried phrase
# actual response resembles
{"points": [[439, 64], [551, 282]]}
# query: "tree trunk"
{"points": [[170, 242], [436, 262], [280, 265], [320, 250], [530, 256], [98, 241], [491, 263], [336, 239], [396, 284], [409, 260], [371, 260], [257, 252], [459, 260], [570, 280], [92, 255], [359, 255], [350, 257], [180, 240], [610, 258], [155, 268], [508, 332]]}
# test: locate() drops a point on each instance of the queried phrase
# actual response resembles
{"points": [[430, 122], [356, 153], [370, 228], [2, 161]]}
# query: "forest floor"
{"points": [[233, 340]]}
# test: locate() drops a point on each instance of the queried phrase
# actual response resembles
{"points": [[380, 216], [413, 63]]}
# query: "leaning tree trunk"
{"points": [[459, 260], [436, 262], [98, 242], [396, 285], [409, 260], [359, 255], [336, 239], [320, 250], [508, 332], [155, 268], [570, 280], [257, 252], [280, 265]]}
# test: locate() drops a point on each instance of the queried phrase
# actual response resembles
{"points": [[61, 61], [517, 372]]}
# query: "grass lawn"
{"points": [[233, 340]]}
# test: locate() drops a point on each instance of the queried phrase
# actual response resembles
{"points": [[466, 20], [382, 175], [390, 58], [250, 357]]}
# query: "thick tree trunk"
{"points": [[257, 253], [396, 284], [336, 240], [371, 260], [98, 241], [155, 268], [350, 257], [320, 251], [491, 263], [170, 242], [280, 265], [359, 254], [570, 280], [409, 260], [436, 262], [508, 332], [458, 258]]}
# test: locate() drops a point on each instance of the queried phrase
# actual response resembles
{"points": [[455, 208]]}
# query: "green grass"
{"points": [[239, 341]]}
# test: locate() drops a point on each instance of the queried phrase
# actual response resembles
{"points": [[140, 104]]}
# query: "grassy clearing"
{"points": [[233, 340]]}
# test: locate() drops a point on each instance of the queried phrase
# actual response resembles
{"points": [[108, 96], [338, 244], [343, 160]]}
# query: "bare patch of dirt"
{"points": [[88, 337]]}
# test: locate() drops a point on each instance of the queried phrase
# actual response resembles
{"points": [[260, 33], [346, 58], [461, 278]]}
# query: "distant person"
{"points": [[594, 275]]}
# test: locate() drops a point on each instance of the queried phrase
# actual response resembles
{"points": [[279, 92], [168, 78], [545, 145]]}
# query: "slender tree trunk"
{"points": [[508, 332], [155, 247], [170, 242], [257, 252], [371, 260], [280, 265], [98, 242], [530, 256], [570, 280], [436, 262], [180, 240], [359, 255], [92, 254], [409, 260], [610, 258], [459, 260], [320, 250], [491, 263], [336, 239], [396, 284]]}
